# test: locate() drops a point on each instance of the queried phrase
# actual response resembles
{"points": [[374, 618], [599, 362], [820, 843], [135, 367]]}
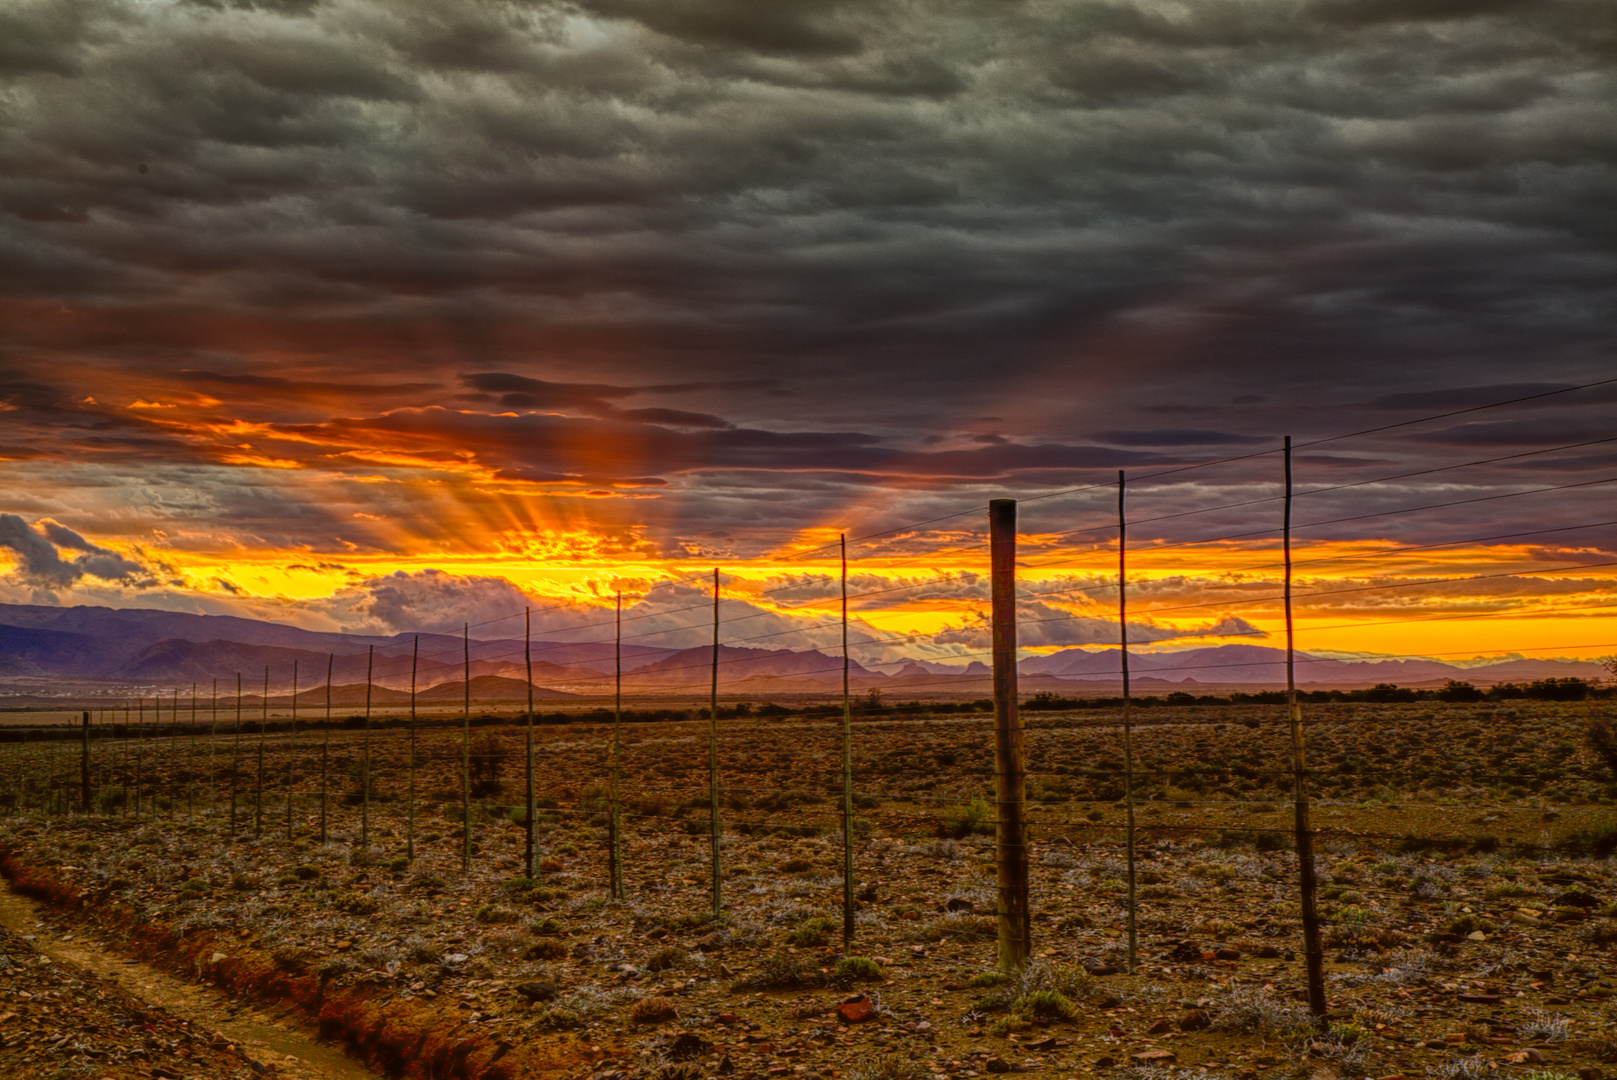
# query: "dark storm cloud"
{"points": [[835, 230], [40, 563], [517, 392], [302, 388]]}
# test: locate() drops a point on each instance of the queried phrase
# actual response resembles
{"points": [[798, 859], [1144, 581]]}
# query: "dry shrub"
{"points": [[667, 958], [548, 949], [654, 1010]]}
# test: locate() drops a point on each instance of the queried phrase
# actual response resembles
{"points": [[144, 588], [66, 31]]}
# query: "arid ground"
{"points": [[1471, 920]]}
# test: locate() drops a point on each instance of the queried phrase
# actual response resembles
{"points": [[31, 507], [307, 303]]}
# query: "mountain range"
{"points": [[162, 648]]}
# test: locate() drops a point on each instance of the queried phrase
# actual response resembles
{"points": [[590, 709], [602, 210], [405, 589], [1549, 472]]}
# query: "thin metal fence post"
{"points": [[140, 728], [325, 747], [615, 856], [466, 754], [1313, 951], [50, 776], [213, 740], [174, 733], [847, 765], [409, 824], [713, 755], [84, 769], [263, 734], [292, 750], [1128, 716], [235, 760], [528, 833], [1010, 777], [191, 763], [365, 757]]}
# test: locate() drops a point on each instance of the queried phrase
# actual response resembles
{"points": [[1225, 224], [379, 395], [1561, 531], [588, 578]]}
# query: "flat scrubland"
{"points": [[1470, 917]]}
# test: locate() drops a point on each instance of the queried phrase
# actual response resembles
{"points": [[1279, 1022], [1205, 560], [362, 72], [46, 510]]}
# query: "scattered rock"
{"points": [[1161, 1027], [538, 991], [1195, 1020], [688, 1046], [1186, 952], [856, 1011], [1153, 1057]]}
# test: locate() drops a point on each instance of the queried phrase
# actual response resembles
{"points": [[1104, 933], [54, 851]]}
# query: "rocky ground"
{"points": [[58, 1020], [1480, 947]]}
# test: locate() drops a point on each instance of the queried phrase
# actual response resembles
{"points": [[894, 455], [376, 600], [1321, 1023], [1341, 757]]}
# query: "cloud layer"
{"points": [[623, 279]]}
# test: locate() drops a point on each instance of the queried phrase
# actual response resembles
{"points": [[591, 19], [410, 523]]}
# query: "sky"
{"points": [[393, 316]]}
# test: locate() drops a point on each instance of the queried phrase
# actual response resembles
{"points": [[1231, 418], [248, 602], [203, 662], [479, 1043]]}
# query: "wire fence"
{"points": [[393, 776]]}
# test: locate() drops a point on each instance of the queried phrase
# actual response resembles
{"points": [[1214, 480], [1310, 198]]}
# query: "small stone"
{"points": [[218, 956], [997, 1065], [1476, 935], [1227, 954], [855, 1012], [1186, 952], [1161, 1027], [344, 946], [538, 991]]}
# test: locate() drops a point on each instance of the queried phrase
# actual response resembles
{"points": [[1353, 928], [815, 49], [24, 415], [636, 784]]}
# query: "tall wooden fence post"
{"points": [[1010, 777], [1313, 951]]}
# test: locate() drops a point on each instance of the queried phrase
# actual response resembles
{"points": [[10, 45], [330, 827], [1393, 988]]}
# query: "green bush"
{"points": [[1045, 1005], [489, 914], [1599, 840], [858, 969], [811, 933], [976, 816], [356, 904]]}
